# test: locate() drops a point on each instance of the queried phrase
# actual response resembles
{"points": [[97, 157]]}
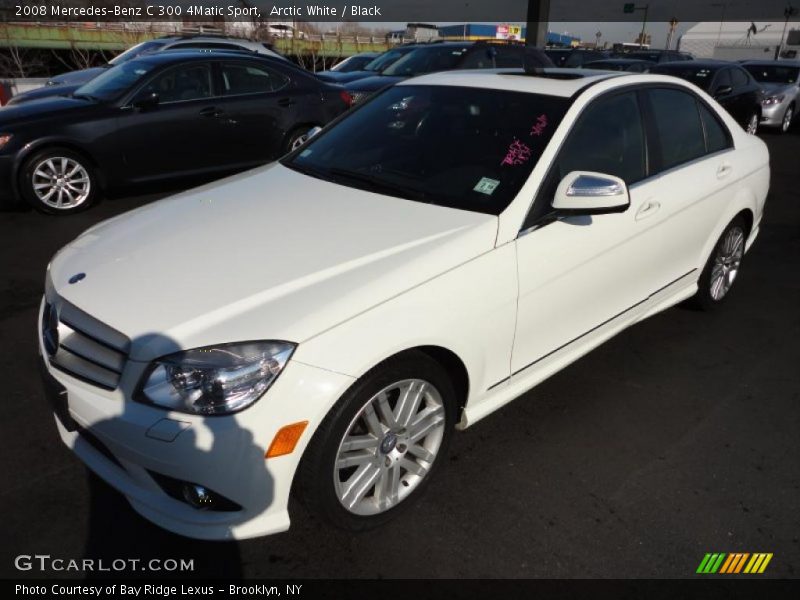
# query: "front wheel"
{"points": [[58, 181], [723, 266], [296, 139], [379, 446]]}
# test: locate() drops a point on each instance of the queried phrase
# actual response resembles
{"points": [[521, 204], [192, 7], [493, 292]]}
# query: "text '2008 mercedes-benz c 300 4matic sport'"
{"points": [[320, 326]]}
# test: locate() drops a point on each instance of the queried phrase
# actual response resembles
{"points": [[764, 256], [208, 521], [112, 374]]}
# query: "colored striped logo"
{"points": [[734, 563]]}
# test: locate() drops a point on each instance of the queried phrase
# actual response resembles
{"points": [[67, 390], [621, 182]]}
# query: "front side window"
{"points": [[461, 147], [678, 126], [182, 84], [244, 78], [116, 81], [608, 138], [739, 77]]}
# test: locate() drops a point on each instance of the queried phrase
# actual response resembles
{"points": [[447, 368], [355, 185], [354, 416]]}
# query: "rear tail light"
{"points": [[347, 98]]}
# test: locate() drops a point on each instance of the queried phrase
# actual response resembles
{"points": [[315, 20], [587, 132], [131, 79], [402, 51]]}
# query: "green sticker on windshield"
{"points": [[486, 186]]}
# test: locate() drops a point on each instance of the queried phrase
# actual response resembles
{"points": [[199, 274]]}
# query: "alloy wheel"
{"points": [[726, 263], [752, 124], [299, 141], [389, 447], [61, 183], [787, 119]]}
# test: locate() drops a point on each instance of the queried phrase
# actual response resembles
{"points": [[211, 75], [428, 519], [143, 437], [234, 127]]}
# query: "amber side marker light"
{"points": [[286, 439]]}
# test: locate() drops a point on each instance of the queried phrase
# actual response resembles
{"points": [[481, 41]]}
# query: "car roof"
{"points": [[701, 64], [775, 63], [199, 54], [550, 81]]}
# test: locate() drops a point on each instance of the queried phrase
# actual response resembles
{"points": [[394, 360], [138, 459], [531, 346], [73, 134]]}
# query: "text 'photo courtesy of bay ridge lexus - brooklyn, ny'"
{"points": [[272, 272]]}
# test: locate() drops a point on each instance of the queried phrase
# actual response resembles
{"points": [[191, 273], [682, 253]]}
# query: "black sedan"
{"points": [[160, 116], [731, 85], [631, 65]]}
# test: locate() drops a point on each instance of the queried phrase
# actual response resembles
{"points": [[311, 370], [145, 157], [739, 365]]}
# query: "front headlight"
{"points": [[772, 100], [215, 380], [4, 139]]}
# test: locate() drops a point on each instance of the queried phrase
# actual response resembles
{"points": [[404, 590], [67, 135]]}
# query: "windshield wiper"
{"points": [[376, 184]]}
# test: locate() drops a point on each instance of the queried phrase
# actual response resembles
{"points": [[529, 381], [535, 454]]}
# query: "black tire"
{"points": [[791, 115], [705, 298], [295, 136], [73, 196], [314, 485]]}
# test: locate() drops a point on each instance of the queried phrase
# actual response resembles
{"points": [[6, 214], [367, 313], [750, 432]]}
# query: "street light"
{"points": [[722, 5], [628, 8], [788, 13]]}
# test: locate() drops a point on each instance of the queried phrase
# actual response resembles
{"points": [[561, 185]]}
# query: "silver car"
{"points": [[780, 82]]}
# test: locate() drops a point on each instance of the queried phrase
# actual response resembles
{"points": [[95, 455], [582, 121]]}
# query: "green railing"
{"points": [[119, 36]]}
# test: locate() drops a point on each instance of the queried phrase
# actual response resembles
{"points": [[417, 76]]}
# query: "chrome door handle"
{"points": [[649, 208], [724, 170]]}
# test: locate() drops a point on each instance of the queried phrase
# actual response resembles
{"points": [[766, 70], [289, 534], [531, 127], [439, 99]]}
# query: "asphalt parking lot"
{"points": [[677, 438]]}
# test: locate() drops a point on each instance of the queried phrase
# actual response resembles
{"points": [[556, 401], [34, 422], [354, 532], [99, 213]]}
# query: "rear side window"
{"points": [[717, 137], [246, 78], [740, 77], [678, 125]]}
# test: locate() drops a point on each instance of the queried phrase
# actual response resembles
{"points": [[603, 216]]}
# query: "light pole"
{"points": [[722, 5], [628, 8], [788, 12]]}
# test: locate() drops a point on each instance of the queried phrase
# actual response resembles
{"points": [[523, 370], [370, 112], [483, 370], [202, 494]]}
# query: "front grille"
{"points": [[81, 346]]}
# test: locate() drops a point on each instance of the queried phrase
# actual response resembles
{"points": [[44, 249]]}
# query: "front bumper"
{"points": [[772, 116], [123, 441]]}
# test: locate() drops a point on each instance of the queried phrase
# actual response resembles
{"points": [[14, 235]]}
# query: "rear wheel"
{"points": [[723, 266], [296, 139], [752, 124], [788, 116], [379, 446], [58, 181]]}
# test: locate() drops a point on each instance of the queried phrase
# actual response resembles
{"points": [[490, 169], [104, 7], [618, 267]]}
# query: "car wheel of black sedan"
{"points": [[58, 181], [296, 139]]}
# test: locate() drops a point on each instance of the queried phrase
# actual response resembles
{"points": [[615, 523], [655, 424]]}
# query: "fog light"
{"points": [[198, 496]]}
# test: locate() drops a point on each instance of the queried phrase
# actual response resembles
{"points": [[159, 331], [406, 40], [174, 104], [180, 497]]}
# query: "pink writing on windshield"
{"points": [[518, 153], [538, 127]]}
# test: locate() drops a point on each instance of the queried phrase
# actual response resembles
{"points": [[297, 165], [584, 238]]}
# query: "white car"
{"points": [[320, 326]]}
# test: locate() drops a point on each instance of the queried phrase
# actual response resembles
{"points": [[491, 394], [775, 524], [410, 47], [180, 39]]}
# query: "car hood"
{"points": [[42, 108], [76, 77], [374, 83], [773, 89], [267, 254]]}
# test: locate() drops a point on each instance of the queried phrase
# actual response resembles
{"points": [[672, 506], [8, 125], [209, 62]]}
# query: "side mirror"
{"points": [[313, 131], [146, 101], [722, 90], [589, 193]]}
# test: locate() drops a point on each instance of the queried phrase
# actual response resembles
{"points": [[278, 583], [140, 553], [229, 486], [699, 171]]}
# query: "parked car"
{"points": [[578, 57], [658, 56], [780, 85], [621, 64], [320, 326], [356, 62], [374, 67], [729, 84], [66, 83], [558, 55], [445, 56], [159, 116]]}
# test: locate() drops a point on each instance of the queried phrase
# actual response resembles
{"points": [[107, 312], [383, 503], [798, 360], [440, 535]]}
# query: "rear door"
{"points": [[260, 103]]}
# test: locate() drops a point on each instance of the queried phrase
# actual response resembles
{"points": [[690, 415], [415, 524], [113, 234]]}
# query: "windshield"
{"points": [[427, 60], [700, 76], [461, 147], [136, 51], [773, 73], [386, 60], [113, 83]]}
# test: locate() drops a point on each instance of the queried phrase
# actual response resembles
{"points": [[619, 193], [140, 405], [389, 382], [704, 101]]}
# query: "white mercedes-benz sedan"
{"points": [[320, 326]]}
